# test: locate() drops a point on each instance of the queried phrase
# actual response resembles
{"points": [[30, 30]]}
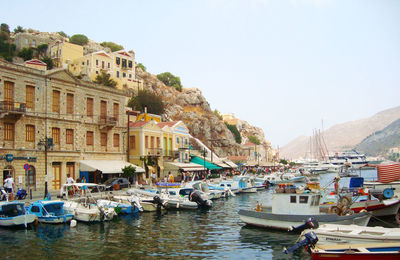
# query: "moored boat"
{"points": [[50, 211], [13, 213]]}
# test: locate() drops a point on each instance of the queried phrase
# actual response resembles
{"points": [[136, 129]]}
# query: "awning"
{"points": [[230, 163], [206, 164], [187, 167], [222, 165], [106, 166]]}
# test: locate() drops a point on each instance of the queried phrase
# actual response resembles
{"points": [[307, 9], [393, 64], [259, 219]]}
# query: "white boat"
{"points": [[203, 186], [335, 234], [238, 184], [351, 158], [13, 213], [292, 209]]}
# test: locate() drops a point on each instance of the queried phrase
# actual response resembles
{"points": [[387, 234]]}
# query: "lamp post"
{"points": [[47, 143]]}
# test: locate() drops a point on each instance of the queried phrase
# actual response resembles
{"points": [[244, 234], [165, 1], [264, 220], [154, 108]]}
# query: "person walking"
{"points": [[9, 186]]}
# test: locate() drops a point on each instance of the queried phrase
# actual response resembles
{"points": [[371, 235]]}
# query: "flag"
{"points": [[388, 172]]}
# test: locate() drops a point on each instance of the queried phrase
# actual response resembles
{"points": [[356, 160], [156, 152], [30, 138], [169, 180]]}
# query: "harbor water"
{"points": [[214, 234]]}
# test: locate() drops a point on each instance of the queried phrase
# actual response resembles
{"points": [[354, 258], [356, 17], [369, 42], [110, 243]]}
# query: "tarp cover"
{"points": [[106, 166]]}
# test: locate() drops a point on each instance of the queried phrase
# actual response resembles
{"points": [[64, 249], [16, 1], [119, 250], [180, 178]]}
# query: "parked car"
{"points": [[113, 182]]}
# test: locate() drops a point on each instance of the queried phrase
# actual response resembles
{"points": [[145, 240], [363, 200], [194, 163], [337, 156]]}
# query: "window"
{"points": [[118, 60], [55, 134], [8, 132], [130, 64], [89, 106], [146, 142], [124, 75], [123, 63], [116, 111], [97, 72], [177, 140], [30, 133], [293, 199], [30, 97], [108, 65], [83, 63], [132, 142], [158, 142], [56, 101], [103, 137], [87, 62], [130, 75], [97, 63], [186, 141], [34, 43], [303, 199], [70, 103], [26, 41], [103, 64], [117, 74], [103, 110], [35, 209], [152, 142], [69, 134], [116, 140], [89, 138]]}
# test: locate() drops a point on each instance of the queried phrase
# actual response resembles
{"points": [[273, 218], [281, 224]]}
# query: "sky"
{"points": [[286, 66]]}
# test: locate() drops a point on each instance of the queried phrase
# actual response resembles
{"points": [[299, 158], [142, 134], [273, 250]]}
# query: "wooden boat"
{"points": [[13, 213], [50, 211], [292, 209], [333, 233], [369, 251]]}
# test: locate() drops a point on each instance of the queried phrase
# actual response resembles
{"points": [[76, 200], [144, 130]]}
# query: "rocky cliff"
{"points": [[343, 136], [193, 109]]}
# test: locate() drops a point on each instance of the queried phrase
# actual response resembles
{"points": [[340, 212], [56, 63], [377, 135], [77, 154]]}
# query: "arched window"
{"points": [[30, 178]]}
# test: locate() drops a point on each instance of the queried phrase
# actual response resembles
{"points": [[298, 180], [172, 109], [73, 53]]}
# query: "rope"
{"points": [[385, 222]]}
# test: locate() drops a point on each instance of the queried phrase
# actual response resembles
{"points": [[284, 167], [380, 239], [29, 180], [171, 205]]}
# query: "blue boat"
{"points": [[13, 213], [50, 211], [120, 208]]}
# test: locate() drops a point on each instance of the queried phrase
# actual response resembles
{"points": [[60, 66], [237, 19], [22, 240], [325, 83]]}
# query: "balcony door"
{"points": [[103, 111], [8, 95]]}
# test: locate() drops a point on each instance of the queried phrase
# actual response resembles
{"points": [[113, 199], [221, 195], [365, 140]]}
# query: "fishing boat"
{"points": [[14, 214], [334, 233], [50, 211], [290, 208]]}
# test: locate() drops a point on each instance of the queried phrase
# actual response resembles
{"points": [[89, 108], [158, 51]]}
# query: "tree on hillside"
{"points": [[235, 132], [26, 53], [147, 99], [140, 65], [170, 80], [48, 61], [41, 50], [63, 34], [112, 45], [19, 29], [7, 49], [254, 139], [5, 28], [105, 79], [79, 39]]}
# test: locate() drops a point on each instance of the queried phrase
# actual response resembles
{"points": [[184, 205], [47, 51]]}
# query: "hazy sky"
{"points": [[282, 65]]}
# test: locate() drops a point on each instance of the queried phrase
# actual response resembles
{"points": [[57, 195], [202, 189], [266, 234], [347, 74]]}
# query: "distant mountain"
{"points": [[343, 136], [380, 142]]}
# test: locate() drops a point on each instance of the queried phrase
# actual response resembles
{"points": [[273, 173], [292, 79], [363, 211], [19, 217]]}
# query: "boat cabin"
{"points": [[296, 203], [11, 209]]}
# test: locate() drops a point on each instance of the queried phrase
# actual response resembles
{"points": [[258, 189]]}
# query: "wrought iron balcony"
{"points": [[7, 106], [107, 120]]}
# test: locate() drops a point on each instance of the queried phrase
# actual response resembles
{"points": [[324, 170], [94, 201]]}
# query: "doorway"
{"points": [[56, 175], [30, 178]]}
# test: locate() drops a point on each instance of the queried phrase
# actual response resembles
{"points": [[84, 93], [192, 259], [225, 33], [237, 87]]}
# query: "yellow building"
{"points": [[64, 53], [92, 64]]}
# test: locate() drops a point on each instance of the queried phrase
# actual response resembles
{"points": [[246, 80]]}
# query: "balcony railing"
{"points": [[107, 120], [7, 106]]}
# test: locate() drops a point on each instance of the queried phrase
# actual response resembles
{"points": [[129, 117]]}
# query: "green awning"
{"points": [[208, 165]]}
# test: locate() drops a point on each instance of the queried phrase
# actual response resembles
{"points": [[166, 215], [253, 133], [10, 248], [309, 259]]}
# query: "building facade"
{"points": [[65, 53], [50, 121]]}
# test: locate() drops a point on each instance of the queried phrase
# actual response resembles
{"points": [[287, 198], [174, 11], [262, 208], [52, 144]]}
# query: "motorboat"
{"points": [[185, 198], [350, 158], [14, 214], [238, 184], [203, 186], [290, 208], [88, 211], [50, 211], [119, 207], [149, 200], [335, 234]]}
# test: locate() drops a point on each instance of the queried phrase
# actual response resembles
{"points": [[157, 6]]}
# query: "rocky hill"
{"points": [[193, 109], [343, 136], [378, 143]]}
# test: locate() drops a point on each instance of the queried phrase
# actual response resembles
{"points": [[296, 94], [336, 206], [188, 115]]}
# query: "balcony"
{"points": [[153, 151], [12, 110], [107, 122]]}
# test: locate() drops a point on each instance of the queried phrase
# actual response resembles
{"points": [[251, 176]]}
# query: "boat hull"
{"points": [[56, 219], [285, 221], [20, 220]]}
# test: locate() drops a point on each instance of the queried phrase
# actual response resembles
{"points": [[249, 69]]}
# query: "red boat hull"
{"points": [[355, 256]]}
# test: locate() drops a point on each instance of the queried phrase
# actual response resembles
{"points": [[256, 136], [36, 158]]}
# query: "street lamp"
{"points": [[47, 143]]}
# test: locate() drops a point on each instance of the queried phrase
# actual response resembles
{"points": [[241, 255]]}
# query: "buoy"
{"points": [[73, 223]]}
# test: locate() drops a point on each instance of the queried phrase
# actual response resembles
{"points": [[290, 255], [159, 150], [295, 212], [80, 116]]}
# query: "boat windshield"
{"points": [[12, 210], [55, 208], [109, 181]]}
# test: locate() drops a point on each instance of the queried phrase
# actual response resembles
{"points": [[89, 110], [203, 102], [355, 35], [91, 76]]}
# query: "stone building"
{"points": [[75, 120], [33, 40]]}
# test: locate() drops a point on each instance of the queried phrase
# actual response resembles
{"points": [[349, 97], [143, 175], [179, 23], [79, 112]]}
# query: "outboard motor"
{"points": [[159, 202], [309, 242], [196, 197], [310, 223]]}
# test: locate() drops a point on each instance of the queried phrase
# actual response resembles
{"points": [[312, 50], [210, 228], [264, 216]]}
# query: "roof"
{"points": [[137, 124], [106, 166], [169, 124], [35, 62]]}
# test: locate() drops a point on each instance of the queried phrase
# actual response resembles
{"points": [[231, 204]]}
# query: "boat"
{"points": [[290, 208], [238, 184], [185, 198], [14, 214], [353, 251], [351, 158], [50, 211], [203, 186], [119, 207], [334, 233]]}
